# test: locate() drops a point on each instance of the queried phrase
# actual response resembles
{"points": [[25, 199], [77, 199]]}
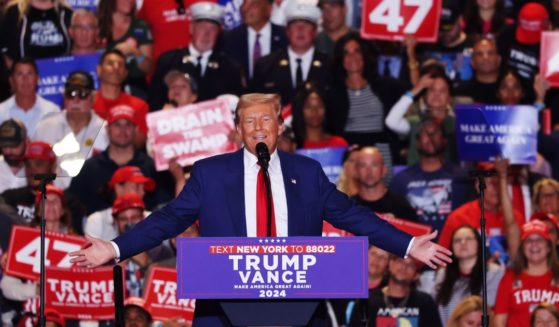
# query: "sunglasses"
{"points": [[72, 94]]}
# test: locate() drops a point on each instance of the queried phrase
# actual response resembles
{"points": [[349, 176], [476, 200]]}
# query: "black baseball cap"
{"points": [[79, 80], [12, 133]]}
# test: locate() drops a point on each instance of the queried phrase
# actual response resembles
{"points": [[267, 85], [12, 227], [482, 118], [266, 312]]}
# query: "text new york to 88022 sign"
{"points": [[394, 19]]}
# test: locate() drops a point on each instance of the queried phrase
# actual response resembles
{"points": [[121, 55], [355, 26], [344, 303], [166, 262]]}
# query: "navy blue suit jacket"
{"points": [[215, 195]]}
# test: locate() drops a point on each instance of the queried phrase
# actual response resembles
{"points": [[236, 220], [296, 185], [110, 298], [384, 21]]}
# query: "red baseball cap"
{"points": [[39, 150], [122, 112], [50, 189], [532, 20], [55, 316], [535, 227], [127, 201], [131, 174], [542, 216]]}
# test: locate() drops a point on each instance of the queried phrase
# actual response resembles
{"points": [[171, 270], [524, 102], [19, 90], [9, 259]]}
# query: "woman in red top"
{"points": [[533, 279], [309, 121]]}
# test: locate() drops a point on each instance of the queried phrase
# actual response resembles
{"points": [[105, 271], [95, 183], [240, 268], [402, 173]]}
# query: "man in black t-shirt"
{"points": [[398, 303], [373, 193]]}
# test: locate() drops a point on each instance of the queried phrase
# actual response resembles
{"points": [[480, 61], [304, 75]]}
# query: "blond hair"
{"points": [[252, 99], [23, 6], [467, 305], [538, 189]]}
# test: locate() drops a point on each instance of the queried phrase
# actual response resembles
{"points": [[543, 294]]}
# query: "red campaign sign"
{"points": [[330, 231], [85, 294], [191, 133], [414, 229], [25, 251], [160, 295], [392, 20], [549, 58]]}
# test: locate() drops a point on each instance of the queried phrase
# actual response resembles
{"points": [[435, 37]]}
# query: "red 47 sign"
{"points": [[394, 19], [25, 251]]}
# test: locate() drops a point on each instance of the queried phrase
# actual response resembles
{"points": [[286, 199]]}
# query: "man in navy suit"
{"points": [[256, 37], [221, 194]]}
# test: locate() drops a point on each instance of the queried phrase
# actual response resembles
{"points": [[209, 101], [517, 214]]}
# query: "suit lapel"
{"points": [[295, 211], [284, 70], [245, 49], [235, 190], [315, 69]]}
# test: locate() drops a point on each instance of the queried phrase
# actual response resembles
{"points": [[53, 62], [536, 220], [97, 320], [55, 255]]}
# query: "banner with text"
{"points": [[85, 294], [90, 5], [392, 20], [549, 58], [191, 133], [160, 295], [329, 158], [484, 132], [265, 268], [25, 251], [53, 73]]}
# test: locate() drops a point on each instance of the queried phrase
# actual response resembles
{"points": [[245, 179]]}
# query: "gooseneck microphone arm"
{"points": [[263, 155]]}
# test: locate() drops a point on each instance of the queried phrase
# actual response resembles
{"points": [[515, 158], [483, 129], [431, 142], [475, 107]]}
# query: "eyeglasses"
{"points": [[180, 7], [72, 94]]}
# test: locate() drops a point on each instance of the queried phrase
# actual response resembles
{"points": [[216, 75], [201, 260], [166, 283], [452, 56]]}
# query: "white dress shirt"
{"points": [[194, 54], [30, 118], [305, 63], [278, 192], [265, 43], [9, 180]]}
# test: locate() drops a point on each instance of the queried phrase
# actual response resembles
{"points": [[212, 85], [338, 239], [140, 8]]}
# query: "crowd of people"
{"points": [[390, 103]]}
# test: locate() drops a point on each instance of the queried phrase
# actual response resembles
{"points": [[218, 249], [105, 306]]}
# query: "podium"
{"points": [[271, 281]]}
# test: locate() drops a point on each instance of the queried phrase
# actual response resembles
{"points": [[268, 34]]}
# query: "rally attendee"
{"points": [[75, 133], [39, 159], [182, 89], [112, 75], [135, 313], [257, 120], [373, 192], [462, 277], [13, 141], [297, 64], [287, 141], [121, 152], [215, 73], [256, 37], [309, 120], [36, 29], [533, 279], [127, 179], [467, 313], [510, 90], [359, 99], [377, 267], [347, 181], [485, 17], [486, 63], [334, 25], [26, 105], [434, 187], [399, 300], [544, 315], [120, 29], [84, 32], [545, 196]]}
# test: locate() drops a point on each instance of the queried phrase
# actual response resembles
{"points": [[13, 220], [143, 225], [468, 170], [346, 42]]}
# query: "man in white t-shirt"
{"points": [[26, 105], [13, 141]]}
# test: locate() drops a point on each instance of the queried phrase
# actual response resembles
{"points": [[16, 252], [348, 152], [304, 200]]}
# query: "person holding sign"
{"points": [[222, 194]]}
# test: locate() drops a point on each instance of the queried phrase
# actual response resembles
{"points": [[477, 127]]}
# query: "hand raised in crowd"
{"points": [[94, 254], [431, 254], [175, 169], [501, 166], [424, 82], [541, 85], [410, 42]]}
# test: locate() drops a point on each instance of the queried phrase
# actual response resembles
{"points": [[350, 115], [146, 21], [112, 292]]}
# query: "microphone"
{"points": [[482, 173], [263, 154], [44, 177]]}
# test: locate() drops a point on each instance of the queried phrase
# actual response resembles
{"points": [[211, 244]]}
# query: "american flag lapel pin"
{"points": [[293, 181]]}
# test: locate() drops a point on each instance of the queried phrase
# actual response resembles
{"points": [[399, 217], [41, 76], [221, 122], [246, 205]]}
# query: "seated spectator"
{"points": [[545, 314], [75, 133], [256, 37], [97, 170], [347, 181], [359, 99], [373, 193], [545, 197], [378, 266], [433, 187], [182, 89], [309, 121], [112, 74], [136, 314], [297, 64], [215, 73], [334, 25], [486, 63], [398, 300], [36, 29], [26, 105], [467, 313], [485, 17], [463, 276], [13, 141], [532, 280], [84, 32], [435, 89], [125, 180], [120, 29]]}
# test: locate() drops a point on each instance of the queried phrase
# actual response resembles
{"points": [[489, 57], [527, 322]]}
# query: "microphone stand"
{"points": [[480, 176], [45, 179]]}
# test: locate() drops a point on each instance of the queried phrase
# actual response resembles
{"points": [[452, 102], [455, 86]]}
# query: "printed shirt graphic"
{"points": [[45, 36], [397, 317]]}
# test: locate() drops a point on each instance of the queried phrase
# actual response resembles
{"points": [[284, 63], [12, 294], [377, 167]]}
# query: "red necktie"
{"points": [[262, 208], [518, 197]]}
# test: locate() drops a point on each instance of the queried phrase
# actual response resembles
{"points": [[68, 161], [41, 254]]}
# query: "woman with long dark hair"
{"points": [[463, 276], [482, 17]]}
